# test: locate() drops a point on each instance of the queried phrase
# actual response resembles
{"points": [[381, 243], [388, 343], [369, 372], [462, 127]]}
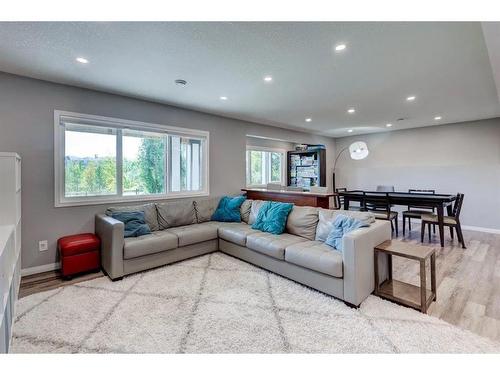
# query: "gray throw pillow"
{"points": [[149, 210], [254, 211], [245, 209]]}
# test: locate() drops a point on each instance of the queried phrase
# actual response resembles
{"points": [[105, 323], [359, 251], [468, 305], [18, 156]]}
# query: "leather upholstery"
{"points": [[272, 244], [302, 221], [205, 208], [236, 232], [195, 233], [78, 244], [149, 244], [175, 214], [317, 256]]}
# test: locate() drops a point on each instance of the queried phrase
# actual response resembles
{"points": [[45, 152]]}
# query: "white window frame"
{"points": [[267, 169], [59, 153]]}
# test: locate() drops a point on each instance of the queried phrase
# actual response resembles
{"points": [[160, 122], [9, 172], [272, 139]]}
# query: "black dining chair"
{"points": [[453, 221], [339, 201], [378, 204], [416, 212]]}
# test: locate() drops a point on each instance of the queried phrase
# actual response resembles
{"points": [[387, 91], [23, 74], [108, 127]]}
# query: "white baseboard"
{"points": [[469, 227], [40, 269]]}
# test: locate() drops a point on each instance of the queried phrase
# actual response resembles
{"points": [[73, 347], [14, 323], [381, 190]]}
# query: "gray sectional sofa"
{"points": [[182, 230]]}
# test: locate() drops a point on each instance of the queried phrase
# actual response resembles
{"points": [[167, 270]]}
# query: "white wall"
{"points": [[26, 126], [453, 158]]}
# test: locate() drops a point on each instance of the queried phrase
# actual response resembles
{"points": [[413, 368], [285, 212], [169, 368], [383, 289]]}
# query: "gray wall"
{"points": [[462, 157], [26, 127]]}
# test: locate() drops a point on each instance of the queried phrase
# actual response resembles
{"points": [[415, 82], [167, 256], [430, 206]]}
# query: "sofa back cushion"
{"points": [[254, 211], [302, 221], [175, 214], [327, 217], [245, 209], [149, 210], [205, 208]]}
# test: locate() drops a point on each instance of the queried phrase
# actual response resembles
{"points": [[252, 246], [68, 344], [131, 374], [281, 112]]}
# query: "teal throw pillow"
{"points": [[228, 209], [135, 223], [272, 217]]}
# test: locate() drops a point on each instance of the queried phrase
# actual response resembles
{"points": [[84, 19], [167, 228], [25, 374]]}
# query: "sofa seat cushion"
{"points": [[316, 256], [272, 244], [194, 233], [155, 242], [235, 232]]}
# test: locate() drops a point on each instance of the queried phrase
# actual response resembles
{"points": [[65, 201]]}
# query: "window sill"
{"points": [[130, 199]]}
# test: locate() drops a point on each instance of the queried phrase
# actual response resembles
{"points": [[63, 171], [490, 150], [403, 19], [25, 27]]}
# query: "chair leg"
{"points": [[422, 232], [429, 229], [396, 224], [404, 225], [409, 224], [451, 232], [434, 228], [460, 235], [392, 226]]}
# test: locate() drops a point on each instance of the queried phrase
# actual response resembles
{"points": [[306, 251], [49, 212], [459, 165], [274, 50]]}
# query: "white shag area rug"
{"points": [[219, 304]]}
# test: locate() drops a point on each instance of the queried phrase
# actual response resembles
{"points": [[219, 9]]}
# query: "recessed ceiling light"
{"points": [[350, 131], [351, 110], [223, 98], [82, 60], [268, 78], [340, 47], [411, 98], [437, 118], [388, 125], [308, 119], [180, 82]]}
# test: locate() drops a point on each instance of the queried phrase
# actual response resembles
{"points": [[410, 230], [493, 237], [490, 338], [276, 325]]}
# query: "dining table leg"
{"points": [[440, 213], [346, 203]]}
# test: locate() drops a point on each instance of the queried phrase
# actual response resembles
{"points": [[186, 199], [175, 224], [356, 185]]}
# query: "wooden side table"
{"points": [[407, 294]]}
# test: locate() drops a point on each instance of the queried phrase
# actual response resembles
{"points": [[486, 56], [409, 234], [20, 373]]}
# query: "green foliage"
{"points": [[97, 176]]}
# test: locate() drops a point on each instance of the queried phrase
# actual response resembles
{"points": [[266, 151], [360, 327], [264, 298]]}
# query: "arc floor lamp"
{"points": [[357, 151]]}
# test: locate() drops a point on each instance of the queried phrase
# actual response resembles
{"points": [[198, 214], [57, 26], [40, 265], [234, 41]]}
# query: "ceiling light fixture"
{"points": [[388, 125], [351, 110], [268, 78], [340, 47], [82, 60], [180, 82], [223, 98], [308, 119], [411, 98], [437, 118], [350, 131]]}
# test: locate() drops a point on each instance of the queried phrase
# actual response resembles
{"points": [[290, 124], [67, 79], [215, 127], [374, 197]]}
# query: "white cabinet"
{"points": [[10, 242]]}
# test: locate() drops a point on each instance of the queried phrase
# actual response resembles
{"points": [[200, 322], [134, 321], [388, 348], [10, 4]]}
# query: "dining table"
{"points": [[437, 201]]}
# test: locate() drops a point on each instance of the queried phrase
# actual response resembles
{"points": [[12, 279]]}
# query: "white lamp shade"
{"points": [[358, 150]]}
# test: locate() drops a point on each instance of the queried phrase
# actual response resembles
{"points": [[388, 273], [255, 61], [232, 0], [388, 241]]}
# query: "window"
{"points": [[100, 159], [265, 166]]}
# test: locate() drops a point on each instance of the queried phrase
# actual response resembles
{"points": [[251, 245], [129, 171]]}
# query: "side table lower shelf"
{"points": [[404, 293]]}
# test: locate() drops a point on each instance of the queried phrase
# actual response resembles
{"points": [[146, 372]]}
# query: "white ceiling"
{"points": [[445, 65]]}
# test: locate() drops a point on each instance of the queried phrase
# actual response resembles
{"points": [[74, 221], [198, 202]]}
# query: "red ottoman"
{"points": [[79, 253]]}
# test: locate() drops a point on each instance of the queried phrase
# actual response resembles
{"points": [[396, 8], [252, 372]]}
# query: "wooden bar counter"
{"points": [[299, 198]]}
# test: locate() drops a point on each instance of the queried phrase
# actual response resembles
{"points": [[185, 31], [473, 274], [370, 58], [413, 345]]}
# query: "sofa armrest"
{"points": [[359, 270], [111, 233]]}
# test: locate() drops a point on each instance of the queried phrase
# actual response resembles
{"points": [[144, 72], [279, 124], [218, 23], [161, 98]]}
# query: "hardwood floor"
{"points": [[50, 280], [468, 281]]}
